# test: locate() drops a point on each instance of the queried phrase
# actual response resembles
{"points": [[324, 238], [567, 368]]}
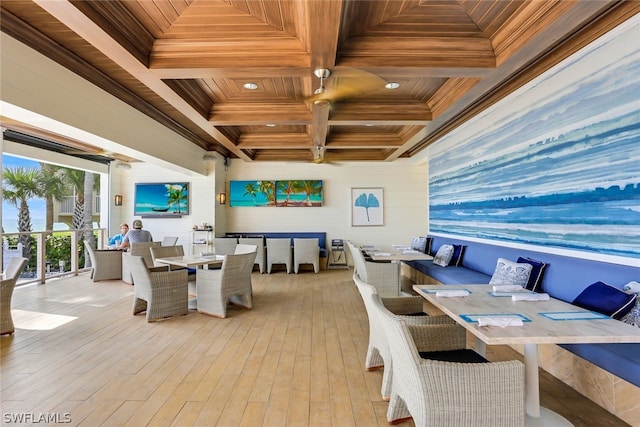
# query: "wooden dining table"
{"points": [[543, 322]]}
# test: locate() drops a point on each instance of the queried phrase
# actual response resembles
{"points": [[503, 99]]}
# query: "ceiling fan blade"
{"points": [[345, 84]]}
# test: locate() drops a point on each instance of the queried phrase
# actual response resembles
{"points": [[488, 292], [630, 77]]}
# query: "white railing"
{"points": [[43, 268], [68, 202]]}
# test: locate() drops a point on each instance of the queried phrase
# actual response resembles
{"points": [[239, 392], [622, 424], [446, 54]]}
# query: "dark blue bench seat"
{"points": [[321, 236], [565, 278], [450, 275]]}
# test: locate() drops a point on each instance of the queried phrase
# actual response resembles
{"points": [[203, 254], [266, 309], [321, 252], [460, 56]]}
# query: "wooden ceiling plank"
{"points": [[530, 19], [323, 28], [228, 52], [232, 72], [368, 112], [320, 124], [275, 141], [256, 113], [69, 15], [450, 92]]}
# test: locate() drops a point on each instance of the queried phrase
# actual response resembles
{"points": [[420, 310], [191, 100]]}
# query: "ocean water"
{"points": [[10, 225], [603, 227]]}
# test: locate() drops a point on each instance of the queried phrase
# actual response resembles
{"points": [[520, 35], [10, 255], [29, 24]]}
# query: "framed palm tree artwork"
{"points": [[367, 206], [252, 193], [162, 198], [299, 193]]}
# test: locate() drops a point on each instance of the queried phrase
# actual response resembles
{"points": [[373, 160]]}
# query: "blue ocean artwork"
{"points": [[556, 164]]}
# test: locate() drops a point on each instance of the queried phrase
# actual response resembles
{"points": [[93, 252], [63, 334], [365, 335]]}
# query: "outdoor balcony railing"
{"points": [[67, 203], [51, 253]]}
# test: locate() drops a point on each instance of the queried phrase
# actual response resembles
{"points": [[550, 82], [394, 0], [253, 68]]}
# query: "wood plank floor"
{"points": [[295, 359]]}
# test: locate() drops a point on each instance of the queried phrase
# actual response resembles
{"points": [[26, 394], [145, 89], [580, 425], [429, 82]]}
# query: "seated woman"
{"points": [[136, 235], [117, 239]]}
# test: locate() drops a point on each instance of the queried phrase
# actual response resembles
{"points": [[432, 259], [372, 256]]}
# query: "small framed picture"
{"points": [[367, 207]]}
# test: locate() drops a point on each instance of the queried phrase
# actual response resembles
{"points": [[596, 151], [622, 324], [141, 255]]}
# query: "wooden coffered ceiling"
{"points": [[185, 64]]}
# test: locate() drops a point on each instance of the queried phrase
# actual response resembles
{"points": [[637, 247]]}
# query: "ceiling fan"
{"points": [[346, 83]]}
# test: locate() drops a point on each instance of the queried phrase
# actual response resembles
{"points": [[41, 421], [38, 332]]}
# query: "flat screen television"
{"points": [[161, 198]]}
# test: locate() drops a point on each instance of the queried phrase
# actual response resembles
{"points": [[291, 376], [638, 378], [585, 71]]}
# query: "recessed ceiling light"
{"points": [[392, 85], [250, 86], [271, 125]]}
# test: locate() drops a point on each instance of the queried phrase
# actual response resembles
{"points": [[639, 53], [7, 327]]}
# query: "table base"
{"points": [[547, 418]]}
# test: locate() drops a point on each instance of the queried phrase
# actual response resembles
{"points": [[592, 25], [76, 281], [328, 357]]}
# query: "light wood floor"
{"points": [[295, 359]]}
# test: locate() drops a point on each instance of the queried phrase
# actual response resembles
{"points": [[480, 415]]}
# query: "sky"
{"points": [[37, 207]]}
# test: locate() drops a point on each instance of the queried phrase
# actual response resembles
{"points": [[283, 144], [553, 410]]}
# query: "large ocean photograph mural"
{"points": [[560, 169]]}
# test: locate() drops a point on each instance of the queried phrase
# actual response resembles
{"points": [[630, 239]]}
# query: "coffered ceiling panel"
{"points": [[299, 80]]}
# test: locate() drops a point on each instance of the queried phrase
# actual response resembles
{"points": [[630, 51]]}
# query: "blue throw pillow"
{"points": [[458, 253], [537, 272], [428, 248], [605, 299]]}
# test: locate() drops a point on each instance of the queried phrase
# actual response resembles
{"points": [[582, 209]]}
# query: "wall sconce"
{"points": [[117, 200], [222, 198]]}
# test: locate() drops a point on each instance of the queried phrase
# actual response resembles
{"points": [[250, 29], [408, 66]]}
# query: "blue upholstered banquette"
{"points": [[565, 278]]}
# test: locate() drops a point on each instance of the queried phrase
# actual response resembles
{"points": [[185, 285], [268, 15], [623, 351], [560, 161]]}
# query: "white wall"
{"points": [[405, 200], [202, 199]]}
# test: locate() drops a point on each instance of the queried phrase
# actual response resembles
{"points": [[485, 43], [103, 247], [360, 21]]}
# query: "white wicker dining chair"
{"points": [[169, 240], [170, 251], [10, 276], [384, 276], [409, 309], [225, 245], [436, 393], [279, 252], [260, 253], [165, 252], [244, 248], [161, 294], [105, 264], [137, 249], [230, 284], [306, 251]]}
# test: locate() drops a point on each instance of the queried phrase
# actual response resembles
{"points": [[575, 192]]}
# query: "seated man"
{"points": [[136, 235], [117, 239]]}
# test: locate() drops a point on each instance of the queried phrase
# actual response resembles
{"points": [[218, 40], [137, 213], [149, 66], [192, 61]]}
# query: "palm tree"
{"points": [[87, 220], [54, 187], [83, 184], [75, 179], [267, 188], [176, 194], [18, 186], [287, 187], [311, 188], [250, 190]]}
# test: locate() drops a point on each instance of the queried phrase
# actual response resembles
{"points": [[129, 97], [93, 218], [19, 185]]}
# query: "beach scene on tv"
{"points": [[162, 198], [302, 193]]}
